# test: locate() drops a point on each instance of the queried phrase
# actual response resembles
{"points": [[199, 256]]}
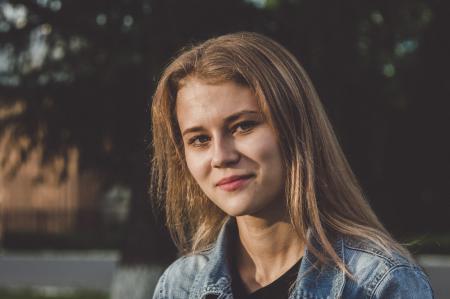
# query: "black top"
{"points": [[278, 289]]}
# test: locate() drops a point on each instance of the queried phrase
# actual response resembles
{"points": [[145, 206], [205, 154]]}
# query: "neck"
{"points": [[267, 248]]}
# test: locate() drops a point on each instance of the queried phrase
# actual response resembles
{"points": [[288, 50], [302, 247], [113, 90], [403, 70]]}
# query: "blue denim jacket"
{"points": [[376, 274]]}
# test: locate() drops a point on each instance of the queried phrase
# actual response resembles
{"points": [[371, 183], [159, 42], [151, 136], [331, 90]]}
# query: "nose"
{"points": [[224, 153]]}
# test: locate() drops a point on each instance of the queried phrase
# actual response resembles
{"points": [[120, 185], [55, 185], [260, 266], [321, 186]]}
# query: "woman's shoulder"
{"points": [[179, 276], [365, 251], [382, 273]]}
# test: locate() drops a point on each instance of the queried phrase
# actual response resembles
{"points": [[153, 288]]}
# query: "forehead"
{"points": [[199, 102]]}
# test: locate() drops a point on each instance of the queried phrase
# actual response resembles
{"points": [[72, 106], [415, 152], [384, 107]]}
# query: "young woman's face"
{"points": [[231, 152]]}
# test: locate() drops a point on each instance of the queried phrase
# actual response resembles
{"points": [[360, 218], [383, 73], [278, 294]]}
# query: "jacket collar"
{"points": [[322, 282], [215, 277], [326, 282]]}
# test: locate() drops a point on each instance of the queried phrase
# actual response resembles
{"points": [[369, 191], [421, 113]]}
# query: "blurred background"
{"points": [[76, 81]]}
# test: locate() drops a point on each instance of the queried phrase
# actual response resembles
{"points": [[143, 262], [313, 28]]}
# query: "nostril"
{"points": [[224, 152], [224, 159]]}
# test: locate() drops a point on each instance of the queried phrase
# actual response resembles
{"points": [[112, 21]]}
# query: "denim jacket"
{"points": [[376, 274]]}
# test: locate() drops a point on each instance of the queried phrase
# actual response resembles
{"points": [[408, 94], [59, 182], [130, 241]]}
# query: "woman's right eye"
{"points": [[198, 141]]}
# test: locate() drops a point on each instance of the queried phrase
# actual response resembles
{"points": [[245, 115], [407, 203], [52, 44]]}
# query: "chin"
{"points": [[235, 212], [236, 209], [239, 210]]}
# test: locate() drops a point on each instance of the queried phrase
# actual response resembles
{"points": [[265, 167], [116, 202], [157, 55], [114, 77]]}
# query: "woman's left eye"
{"points": [[244, 127]]}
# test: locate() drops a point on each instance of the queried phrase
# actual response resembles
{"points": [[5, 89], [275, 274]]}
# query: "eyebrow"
{"points": [[228, 119]]}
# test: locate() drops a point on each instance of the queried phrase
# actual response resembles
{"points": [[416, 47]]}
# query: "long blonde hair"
{"points": [[322, 193]]}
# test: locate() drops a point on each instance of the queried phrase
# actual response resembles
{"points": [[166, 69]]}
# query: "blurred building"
{"points": [[36, 198]]}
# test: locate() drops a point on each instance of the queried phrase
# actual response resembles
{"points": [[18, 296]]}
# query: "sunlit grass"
{"points": [[428, 243], [50, 294]]}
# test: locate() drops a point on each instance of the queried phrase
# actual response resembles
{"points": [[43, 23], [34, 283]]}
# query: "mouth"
{"points": [[233, 183]]}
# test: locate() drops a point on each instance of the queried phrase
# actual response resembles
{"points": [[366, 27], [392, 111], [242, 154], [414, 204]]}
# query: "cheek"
{"points": [[271, 158], [196, 166], [265, 151], [273, 175], [270, 161]]}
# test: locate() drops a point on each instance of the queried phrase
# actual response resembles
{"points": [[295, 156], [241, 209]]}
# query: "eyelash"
{"points": [[246, 126], [192, 141], [249, 124]]}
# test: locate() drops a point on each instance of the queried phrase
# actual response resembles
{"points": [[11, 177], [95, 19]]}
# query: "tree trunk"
{"points": [[146, 248]]}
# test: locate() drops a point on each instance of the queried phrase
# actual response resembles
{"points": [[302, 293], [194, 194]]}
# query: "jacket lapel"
{"points": [[325, 282], [215, 278]]}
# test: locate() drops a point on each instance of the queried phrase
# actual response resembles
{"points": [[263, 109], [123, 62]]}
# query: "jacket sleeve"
{"points": [[159, 292], [403, 282]]}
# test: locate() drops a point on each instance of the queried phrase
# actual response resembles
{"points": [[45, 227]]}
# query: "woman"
{"points": [[257, 193]]}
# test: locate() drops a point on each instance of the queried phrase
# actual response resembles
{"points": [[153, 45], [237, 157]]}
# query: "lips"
{"points": [[233, 182]]}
